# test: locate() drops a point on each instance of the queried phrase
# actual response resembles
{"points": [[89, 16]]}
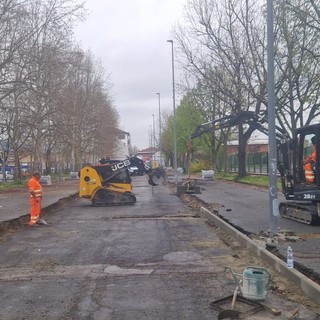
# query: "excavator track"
{"points": [[104, 197], [306, 214]]}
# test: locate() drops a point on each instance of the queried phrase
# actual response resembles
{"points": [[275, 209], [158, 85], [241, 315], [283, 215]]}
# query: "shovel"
{"points": [[42, 221], [230, 313]]}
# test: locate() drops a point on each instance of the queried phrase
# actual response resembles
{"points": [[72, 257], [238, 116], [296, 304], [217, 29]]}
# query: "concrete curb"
{"points": [[311, 289]]}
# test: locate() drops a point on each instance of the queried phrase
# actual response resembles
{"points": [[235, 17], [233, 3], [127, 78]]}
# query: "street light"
{"points": [[150, 136], [160, 148], [174, 116], [153, 138]]}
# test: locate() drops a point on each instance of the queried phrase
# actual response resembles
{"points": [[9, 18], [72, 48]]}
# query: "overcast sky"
{"points": [[130, 37]]}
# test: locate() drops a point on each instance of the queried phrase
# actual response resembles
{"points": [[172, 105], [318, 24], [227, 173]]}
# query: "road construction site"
{"points": [[162, 258]]}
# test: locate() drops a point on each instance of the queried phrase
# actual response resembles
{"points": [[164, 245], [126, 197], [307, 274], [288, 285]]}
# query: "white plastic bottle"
{"points": [[289, 257]]}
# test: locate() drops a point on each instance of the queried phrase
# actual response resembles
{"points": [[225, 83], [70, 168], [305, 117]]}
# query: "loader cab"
{"points": [[113, 171]]}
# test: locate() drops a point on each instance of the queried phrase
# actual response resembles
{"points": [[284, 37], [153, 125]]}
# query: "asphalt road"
{"points": [[155, 260]]}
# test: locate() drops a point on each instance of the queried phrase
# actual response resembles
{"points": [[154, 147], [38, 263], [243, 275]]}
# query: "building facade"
{"points": [[123, 146]]}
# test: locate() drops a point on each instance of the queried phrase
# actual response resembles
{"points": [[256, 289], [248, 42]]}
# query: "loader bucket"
{"points": [[156, 177]]}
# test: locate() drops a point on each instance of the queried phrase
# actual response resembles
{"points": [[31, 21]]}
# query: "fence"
{"points": [[256, 163]]}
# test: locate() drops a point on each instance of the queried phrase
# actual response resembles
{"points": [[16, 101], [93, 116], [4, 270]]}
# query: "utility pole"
{"points": [[273, 195], [154, 139], [160, 146], [174, 117]]}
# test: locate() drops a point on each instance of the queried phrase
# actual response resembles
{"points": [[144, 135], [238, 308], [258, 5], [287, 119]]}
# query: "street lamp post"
{"points": [[174, 116], [153, 138], [273, 197], [160, 147], [150, 136]]}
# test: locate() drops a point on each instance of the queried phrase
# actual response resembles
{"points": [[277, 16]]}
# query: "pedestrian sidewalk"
{"points": [[15, 203]]}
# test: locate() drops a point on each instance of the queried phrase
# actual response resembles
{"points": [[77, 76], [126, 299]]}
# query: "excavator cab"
{"points": [[303, 192], [306, 161], [306, 141], [292, 155]]}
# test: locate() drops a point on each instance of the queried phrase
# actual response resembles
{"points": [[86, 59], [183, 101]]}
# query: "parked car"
{"points": [[45, 180], [9, 175], [74, 175], [134, 171]]}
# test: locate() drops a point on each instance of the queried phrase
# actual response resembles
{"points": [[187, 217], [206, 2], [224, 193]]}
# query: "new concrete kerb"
{"points": [[311, 289]]}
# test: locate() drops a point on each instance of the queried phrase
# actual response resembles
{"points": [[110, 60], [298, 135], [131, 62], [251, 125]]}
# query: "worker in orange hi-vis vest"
{"points": [[309, 163], [35, 190]]}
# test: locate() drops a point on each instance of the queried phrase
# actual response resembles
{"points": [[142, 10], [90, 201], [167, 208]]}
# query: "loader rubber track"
{"points": [[104, 197]]}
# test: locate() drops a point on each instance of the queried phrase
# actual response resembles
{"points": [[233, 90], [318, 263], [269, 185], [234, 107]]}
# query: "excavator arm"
{"points": [[257, 122], [244, 117]]}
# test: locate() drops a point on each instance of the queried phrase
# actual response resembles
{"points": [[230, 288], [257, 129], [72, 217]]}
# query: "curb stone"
{"points": [[311, 289]]}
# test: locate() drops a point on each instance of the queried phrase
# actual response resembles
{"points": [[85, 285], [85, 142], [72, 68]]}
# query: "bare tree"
{"points": [[54, 98], [223, 47], [306, 10], [86, 115], [219, 48], [31, 31], [297, 65]]}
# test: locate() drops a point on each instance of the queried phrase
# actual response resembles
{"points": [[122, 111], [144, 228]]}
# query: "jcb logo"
{"points": [[120, 165]]}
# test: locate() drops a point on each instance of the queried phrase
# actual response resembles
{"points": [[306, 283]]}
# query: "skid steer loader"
{"points": [[109, 183]]}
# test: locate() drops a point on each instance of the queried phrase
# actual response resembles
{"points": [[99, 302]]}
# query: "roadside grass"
{"points": [[16, 185], [11, 185], [258, 180]]}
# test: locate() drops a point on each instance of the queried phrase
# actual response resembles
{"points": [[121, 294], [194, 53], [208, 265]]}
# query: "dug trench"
{"points": [[280, 285], [196, 203]]}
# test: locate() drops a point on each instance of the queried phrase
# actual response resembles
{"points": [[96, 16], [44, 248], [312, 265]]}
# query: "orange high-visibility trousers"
{"points": [[35, 209], [309, 174]]}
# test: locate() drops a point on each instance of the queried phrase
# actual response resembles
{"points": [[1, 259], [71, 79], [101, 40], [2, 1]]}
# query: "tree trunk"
{"points": [[242, 154], [225, 158]]}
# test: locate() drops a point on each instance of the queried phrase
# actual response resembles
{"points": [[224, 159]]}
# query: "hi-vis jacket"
{"points": [[35, 188]]}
